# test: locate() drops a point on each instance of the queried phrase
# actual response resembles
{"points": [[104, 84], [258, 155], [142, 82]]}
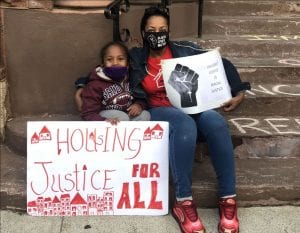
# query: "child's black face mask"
{"points": [[156, 40]]}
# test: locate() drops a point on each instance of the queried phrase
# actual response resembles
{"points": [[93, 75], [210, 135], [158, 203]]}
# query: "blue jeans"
{"points": [[184, 131]]}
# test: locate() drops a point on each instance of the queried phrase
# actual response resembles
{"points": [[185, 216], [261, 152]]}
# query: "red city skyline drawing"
{"points": [[78, 206]]}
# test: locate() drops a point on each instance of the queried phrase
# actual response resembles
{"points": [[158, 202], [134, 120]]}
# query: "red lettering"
{"points": [[107, 178], [136, 142], [76, 177], [90, 137], [116, 136], [137, 193], [92, 178], [46, 176], [53, 183], [67, 179], [144, 170], [153, 203], [80, 140], [60, 142], [124, 199], [154, 170], [135, 168]]}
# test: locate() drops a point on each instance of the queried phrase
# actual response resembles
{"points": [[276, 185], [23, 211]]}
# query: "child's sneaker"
{"points": [[229, 222], [186, 215]]}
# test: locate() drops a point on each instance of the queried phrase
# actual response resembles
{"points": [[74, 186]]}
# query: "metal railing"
{"points": [[200, 15], [112, 11]]}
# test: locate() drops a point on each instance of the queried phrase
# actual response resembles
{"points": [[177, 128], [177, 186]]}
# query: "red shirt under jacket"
{"points": [[153, 83]]}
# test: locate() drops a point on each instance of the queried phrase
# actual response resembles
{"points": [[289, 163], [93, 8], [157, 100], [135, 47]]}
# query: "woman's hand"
{"points": [[78, 99], [234, 102], [134, 110]]}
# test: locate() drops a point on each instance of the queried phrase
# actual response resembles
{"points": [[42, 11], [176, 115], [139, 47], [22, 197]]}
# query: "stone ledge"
{"points": [[259, 182], [277, 130]]}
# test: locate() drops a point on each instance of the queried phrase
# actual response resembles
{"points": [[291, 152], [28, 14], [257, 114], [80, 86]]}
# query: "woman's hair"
{"points": [[154, 11], [113, 43]]}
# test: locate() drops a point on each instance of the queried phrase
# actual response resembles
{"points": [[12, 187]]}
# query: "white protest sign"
{"points": [[196, 83], [93, 168]]}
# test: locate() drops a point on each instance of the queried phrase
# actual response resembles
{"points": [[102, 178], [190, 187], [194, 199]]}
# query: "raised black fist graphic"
{"points": [[185, 82]]}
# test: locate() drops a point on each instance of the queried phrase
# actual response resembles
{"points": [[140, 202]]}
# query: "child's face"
{"points": [[115, 56]]}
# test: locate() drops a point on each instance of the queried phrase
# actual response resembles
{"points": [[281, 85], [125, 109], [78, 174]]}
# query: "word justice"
{"points": [[106, 140], [76, 180]]}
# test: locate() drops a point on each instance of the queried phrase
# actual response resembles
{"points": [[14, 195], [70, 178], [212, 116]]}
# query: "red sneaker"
{"points": [[229, 222], [186, 215]]}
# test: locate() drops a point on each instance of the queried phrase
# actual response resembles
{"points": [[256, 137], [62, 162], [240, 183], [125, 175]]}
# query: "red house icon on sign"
{"points": [[45, 134], [157, 132], [78, 205], [35, 138], [147, 134]]}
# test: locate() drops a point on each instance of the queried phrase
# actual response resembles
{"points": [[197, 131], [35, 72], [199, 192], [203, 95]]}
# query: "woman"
{"points": [[147, 83]]}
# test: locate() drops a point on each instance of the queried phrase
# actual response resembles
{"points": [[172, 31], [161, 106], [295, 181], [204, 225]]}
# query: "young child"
{"points": [[107, 96]]}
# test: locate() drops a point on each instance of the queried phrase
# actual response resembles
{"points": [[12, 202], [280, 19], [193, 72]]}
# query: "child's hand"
{"points": [[134, 110], [78, 99], [113, 121]]}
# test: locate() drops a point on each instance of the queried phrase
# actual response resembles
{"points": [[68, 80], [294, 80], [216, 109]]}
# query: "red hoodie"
{"points": [[102, 93]]}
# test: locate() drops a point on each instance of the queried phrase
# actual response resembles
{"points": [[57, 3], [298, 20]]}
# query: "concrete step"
{"points": [[268, 70], [81, 4], [281, 129], [13, 179], [259, 182], [15, 134], [259, 25], [269, 99], [250, 8], [245, 46], [264, 136]]}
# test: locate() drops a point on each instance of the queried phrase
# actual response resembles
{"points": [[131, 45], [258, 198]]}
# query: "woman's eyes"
{"points": [[161, 30]]}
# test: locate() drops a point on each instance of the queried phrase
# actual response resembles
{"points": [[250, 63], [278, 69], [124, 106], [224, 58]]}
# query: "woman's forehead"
{"points": [[156, 21]]}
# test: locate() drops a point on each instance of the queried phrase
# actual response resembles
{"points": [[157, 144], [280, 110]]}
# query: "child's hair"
{"points": [[154, 11], [113, 43]]}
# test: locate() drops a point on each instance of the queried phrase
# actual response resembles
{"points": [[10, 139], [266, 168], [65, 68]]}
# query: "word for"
{"points": [[78, 179], [142, 171], [105, 140]]}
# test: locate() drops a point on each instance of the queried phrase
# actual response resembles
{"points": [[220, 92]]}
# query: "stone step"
{"points": [[268, 70], [268, 99], [259, 182], [250, 8], [264, 136], [260, 25], [243, 126], [13, 180], [81, 4], [253, 45]]}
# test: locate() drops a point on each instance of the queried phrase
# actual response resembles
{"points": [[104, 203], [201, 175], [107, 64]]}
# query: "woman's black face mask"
{"points": [[156, 40]]}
